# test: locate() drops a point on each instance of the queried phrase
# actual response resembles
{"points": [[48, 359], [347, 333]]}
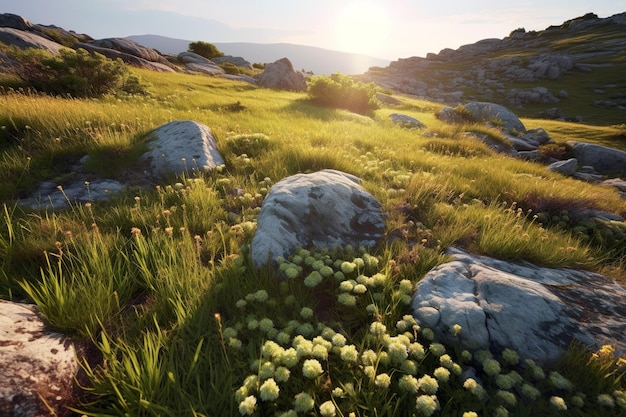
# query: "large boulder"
{"points": [[536, 311], [603, 159], [10, 20], [23, 39], [197, 63], [280, 75], [37, 367], [130, 47], [181, 147], [318, 210], [235, 60], [487, 112], [127, 58]]}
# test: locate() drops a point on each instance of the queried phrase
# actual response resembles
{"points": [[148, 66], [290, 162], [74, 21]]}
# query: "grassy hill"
{"points": [[157, 286]]}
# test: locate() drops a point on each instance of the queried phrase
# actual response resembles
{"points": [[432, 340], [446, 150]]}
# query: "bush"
{"points": [[230, 68], [341, 91], [205, 49], [77, 73]]}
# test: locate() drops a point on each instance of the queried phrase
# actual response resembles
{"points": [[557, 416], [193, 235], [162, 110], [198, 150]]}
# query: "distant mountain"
{"points": [[308, 58]]}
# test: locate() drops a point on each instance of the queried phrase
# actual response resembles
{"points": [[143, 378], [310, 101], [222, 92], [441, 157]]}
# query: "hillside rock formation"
{"points": [[492, 69], [317, 210], [161, 64], [24, 39], [536, 311]]}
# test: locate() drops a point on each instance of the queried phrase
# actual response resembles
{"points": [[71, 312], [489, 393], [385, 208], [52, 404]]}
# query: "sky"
{"points": [[389, 29]]}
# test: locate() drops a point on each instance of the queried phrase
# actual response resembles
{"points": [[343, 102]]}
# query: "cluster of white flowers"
{"points": [[304, 352]]}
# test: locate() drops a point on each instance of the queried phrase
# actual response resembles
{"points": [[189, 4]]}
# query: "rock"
{"points": [[206, 68], [487, 112], [449, 115], [127, 58], [127, 46], [197, 63], [23, 40], [240, 77], [181, 147], [280, 75], [536, 311], [406, 121], [54, 196], [566, 167], [235, 60], [387, 99], [603, 159], [7, 64], [618, 183], [10, 20], [37, 366], [318, 210], [191, 57]]}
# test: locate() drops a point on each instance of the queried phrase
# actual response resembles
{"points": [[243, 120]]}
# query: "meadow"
{"points": [[157, 289]]}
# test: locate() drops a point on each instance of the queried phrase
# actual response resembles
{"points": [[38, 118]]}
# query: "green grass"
{"points": [[160, 284]]}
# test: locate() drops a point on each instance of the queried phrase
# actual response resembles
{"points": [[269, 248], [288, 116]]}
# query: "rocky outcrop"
{"points": [[534, 310], [316, 210], [23, 39], [181, 147], [235, 60], [488, 69], [37, 367], [280, 75], [10, 20], [197, 63], [129, 47], [127, 58]]}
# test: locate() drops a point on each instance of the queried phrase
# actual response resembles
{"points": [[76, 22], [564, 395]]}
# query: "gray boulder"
{"points": [[280, 75], [10, 20], [566, 167], [536, 311], [127, 46], [487, 112], [406, 121], [208, 68], [181, 147], [197, 63], [54, 196], [603, 159], [127, 58], [23, 40], [37, 366], [235, 60], [318, 210]]}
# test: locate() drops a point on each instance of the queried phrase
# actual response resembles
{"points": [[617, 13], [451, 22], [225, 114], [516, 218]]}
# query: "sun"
{"points": [[362, 27]]}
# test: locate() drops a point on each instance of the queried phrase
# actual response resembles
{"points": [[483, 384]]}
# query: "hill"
{"points": [[308, 58], [572, 71]]}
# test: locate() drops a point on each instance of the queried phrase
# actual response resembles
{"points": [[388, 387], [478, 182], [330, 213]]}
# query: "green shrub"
{"points": [[77, 73], [205, 49], [230, 68], [341, 91]]}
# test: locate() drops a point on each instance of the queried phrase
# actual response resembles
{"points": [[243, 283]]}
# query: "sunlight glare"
{"points": [[363, 27]]}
